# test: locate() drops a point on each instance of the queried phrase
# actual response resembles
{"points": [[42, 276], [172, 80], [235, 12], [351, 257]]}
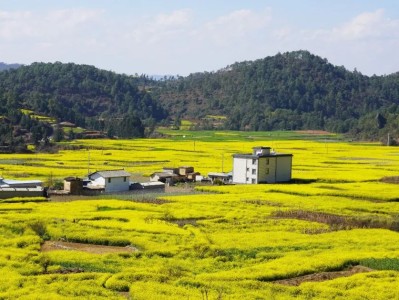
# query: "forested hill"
{"points": [[295, 90], [81, 94], [289, 91]]}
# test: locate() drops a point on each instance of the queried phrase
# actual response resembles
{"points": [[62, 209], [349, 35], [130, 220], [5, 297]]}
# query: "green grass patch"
{"points": [[217, 136], [381, 263]]}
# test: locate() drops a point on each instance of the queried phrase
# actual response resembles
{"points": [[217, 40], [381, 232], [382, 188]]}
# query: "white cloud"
{"points": [[368, 25], [27, 24], [180, 42], [236, 26], [67, 19], [241, 21], [12, 24], [157, 29], [367, 42], [176, 18], [283, 33]]}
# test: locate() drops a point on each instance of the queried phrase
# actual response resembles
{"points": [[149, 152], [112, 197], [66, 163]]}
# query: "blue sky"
{"points": [[185, 36]]}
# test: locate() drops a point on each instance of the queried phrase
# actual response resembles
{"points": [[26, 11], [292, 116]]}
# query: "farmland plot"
{"points": [[334, 231]]}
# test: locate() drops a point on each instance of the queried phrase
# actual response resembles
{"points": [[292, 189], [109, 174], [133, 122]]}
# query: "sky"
{"points": [[179, 37]]}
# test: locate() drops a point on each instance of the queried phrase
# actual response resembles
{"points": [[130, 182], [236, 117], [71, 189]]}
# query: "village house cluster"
{"points": [[173, 175], [263, 165], [107, 181]]}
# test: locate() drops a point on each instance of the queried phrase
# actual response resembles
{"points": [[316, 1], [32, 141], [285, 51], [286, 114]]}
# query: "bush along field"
{"points": [[333, 233]]}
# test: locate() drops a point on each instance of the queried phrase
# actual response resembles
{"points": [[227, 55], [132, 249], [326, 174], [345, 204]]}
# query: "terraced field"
{"points": [[331, 234]]}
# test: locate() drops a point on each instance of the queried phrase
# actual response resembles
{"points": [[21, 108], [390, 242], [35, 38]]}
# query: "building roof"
{"points": [[220, 174], [11, 182], [164, 174], [153, 184], [73, 179], [67, 124], [22, 189], [111, 173], [253, 156]]}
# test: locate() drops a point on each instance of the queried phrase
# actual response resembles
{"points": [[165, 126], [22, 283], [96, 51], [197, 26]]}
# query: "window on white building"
{"points": [[254, 161], [253, 180], [253, 171]]}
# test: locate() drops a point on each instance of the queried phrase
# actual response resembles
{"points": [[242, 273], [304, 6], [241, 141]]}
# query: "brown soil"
{"points": [[90, 248], [323, 276], [314, 132], [390, 179]]}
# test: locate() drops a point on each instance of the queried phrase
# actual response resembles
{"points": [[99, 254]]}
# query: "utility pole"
{"points": [[88, 162]]}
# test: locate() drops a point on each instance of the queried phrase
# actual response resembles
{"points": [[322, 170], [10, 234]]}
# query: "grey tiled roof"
{"points": [[111, 173]]}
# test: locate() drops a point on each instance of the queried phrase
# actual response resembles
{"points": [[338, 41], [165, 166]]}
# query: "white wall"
{"points": [[242, 170], [117, 184], [97, 180], [239, 170]]}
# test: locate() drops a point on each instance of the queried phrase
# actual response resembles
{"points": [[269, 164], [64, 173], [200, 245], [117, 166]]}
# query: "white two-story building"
{"points": [[262, 166]]}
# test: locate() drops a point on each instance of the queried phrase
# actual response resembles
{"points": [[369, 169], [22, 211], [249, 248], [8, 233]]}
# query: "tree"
{"points": [[381, 121], [58, 135], [130, 126], [71, 134]]}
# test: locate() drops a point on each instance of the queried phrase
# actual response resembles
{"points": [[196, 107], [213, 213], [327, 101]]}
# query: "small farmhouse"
{"points": [[110, 180], [9, 183], [222, 177], [262, 166], [73, 186], [165, 177], [21, 188], [171, 175]]}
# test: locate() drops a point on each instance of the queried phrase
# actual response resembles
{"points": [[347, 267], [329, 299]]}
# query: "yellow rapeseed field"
{"points": [[300, 240]]}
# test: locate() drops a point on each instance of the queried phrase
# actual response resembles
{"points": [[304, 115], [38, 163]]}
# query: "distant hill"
{"points": [[289, 91], [4, 66], [118, 105]]}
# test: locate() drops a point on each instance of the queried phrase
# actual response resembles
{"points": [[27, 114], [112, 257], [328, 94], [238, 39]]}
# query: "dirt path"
{"points": [[323, 276], [90, 248]]}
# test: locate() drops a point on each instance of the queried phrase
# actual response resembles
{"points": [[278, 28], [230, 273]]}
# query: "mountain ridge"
{"points": [[289, 91]]}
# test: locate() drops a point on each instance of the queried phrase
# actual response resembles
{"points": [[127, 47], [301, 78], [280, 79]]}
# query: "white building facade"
{"points": [[111, 181], [262, 166]]}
